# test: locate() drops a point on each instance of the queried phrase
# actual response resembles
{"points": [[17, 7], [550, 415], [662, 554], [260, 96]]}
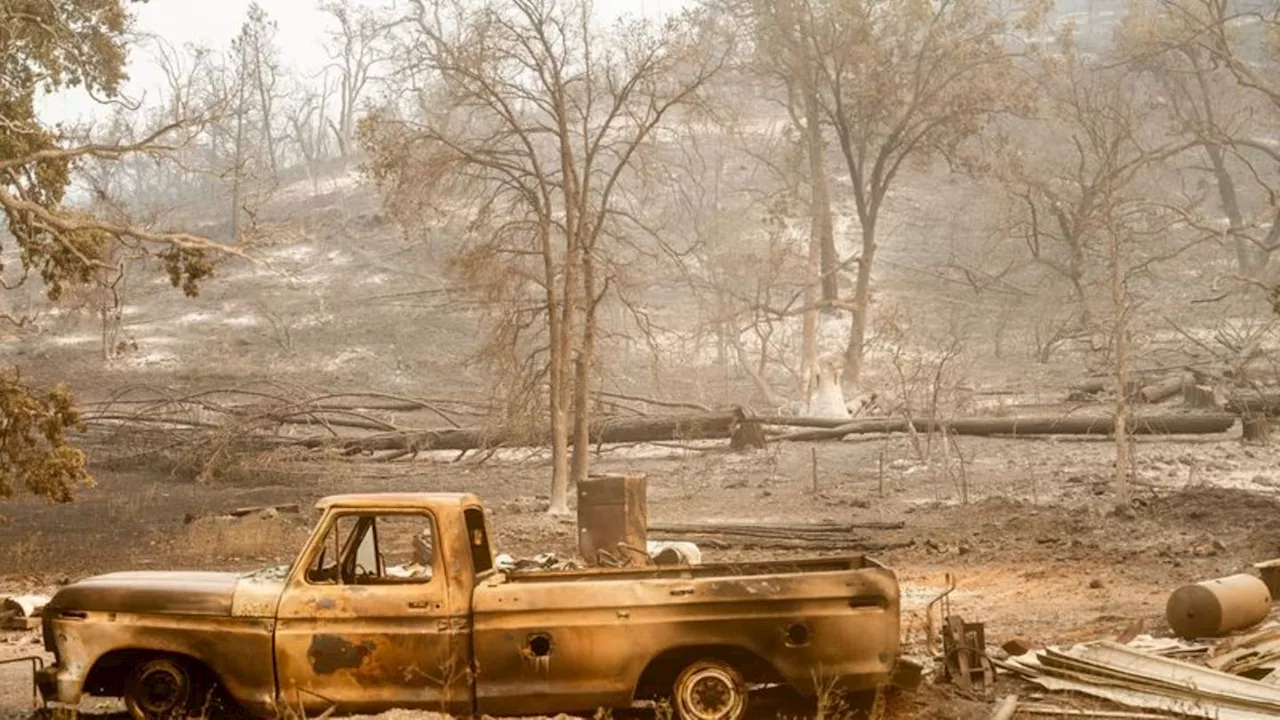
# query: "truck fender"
{"points": [[110, 671], [661, 671]]}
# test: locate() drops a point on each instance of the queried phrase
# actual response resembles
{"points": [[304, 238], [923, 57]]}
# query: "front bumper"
{"points": [[57, 686]]}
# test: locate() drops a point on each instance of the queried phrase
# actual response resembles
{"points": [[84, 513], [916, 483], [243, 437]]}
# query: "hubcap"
{"points": [[711, 694], [161, 690]]}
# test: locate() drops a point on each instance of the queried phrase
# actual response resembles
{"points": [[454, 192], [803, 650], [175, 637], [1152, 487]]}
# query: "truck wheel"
{"points": [[160, 689], [710, 690]]}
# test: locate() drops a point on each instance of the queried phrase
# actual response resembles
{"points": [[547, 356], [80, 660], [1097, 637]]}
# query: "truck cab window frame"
{"points": [[362, 550]]}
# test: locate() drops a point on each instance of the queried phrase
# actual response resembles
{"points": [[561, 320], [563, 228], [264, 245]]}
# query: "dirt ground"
{"points": [[350, 303], [1037, 550]]}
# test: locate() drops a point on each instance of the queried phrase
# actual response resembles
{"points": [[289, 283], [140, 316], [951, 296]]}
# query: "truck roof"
{"points": [[396, 500]]}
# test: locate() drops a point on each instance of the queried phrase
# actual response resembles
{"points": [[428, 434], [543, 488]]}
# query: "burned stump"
{"points": [[1256, 428]]}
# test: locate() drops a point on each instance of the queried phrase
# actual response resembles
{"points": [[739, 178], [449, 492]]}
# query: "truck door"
{"points": [[365, 621]]}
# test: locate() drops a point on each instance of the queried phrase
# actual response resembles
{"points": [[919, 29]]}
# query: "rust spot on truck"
{"points": [[331, 653]]}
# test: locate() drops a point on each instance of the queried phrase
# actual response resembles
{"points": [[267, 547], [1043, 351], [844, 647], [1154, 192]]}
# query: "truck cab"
{"points": [[377, 610]]}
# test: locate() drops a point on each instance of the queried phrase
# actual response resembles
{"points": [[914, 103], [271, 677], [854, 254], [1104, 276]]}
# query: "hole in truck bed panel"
{"points": [[538, 645], [798, 635]]}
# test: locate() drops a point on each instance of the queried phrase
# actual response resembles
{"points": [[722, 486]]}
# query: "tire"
{"points": [[163, 689], [709, 690]]}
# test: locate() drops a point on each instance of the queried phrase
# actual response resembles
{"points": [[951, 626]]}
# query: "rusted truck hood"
{"points": [[178, 593]]}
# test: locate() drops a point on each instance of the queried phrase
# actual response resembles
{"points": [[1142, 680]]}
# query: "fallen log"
{"points": [[1087, 388], [708, 426], [767, 530], [1254, 403], [293, 508], [1165, 424], [824, 536], [693, 426], [1161, 391]]}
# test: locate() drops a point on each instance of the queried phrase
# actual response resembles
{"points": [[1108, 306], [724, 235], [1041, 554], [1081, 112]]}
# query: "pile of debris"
{"points": [[1223, 664], [657, 552], [1151, 678], [545, 562]]}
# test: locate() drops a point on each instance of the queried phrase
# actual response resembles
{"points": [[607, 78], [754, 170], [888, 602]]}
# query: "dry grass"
{"points": [[247, 538]]}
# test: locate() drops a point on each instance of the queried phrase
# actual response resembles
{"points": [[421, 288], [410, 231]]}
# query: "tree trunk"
{"points": [[1120, 346], [264, 96], [558, 374], [820, 195], [344, 114], [1199, 396], [1256, 428], [571, 294], [581, 463], [861, 306], [1250, 260], [238, 170], [809, 346]]}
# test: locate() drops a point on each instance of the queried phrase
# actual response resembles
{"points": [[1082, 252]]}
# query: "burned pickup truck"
{"points": [[395, 602]]}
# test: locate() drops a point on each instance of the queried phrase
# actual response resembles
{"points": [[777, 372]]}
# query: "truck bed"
{"points": [[602, 637], [700, 572]]}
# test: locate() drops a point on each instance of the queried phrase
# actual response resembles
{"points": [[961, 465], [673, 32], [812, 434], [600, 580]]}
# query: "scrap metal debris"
{"points": [[546, 561], [677, 552], [658, 553], [944, 609], [1140, 679], [1197, 673], [965, 661]]}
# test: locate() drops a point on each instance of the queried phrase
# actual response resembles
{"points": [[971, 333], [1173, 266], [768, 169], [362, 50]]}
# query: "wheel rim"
{"points": [[161, 690], [710, 694]]}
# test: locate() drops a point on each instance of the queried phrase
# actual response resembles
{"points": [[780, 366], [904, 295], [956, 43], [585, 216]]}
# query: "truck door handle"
{"points": [[682, 591], [419, 605]]}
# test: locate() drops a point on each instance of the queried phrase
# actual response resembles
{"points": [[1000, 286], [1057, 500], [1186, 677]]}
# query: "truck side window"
{"points": [[404, 549], [478, 539]]}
